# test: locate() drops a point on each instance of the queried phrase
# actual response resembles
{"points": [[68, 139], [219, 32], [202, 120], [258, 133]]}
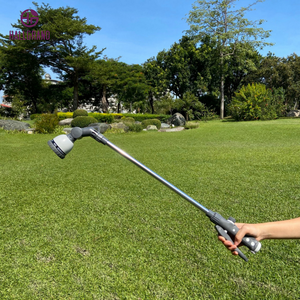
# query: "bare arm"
{"points": [[288, 229]]}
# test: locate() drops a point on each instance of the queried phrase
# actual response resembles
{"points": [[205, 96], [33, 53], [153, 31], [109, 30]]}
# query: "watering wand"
{"points": [[63, 144]]}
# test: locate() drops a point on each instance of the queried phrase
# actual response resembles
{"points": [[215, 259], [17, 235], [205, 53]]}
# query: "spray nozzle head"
{"points": [[63, 144]]}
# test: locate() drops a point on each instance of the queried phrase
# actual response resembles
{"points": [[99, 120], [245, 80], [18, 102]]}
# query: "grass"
{"points": [[94, 226]]}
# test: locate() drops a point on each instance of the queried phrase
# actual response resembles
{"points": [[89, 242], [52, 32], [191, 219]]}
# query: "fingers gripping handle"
{"points": [[232, 229], [223, 233]]}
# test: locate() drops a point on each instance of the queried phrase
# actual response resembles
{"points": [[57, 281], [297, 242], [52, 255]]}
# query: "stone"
{"points": [[293, 113], [100, 127], [119, 126], [164, 126], [30, 130], [151, 127], [65, 122], [179, 128], [67, 130], [177, 120], [13, 125]]}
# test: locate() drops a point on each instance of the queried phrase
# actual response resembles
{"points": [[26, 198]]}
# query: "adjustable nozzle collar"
{"points": [[63, 144]]}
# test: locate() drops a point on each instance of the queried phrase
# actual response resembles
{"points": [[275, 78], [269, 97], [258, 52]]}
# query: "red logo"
{"points": [[30, 20]]}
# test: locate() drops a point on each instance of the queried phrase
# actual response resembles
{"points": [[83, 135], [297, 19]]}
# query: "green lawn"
{"points": [[94, 226]]}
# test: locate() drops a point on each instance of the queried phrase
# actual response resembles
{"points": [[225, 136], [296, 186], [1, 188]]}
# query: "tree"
{"points": [[183, 68], [276, 72], [133, 87], [104, 75], [156, 80], [126, 83], [64, 52], [226, 26], [20, 75], [293, 89], [190, 106], [241, 64]]}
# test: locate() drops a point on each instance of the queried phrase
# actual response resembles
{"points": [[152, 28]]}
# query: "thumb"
{"points": [[244, 230], [240, 234]]}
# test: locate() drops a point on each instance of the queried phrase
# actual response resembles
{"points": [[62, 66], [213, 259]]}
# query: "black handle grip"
{"points": [[232, 229]]}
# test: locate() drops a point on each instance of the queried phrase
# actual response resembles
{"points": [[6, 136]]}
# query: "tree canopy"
{"points": [[227, 26], [217, 57], [64, 52]]}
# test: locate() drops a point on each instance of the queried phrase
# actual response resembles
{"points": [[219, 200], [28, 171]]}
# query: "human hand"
{"points": [[244, 229]]}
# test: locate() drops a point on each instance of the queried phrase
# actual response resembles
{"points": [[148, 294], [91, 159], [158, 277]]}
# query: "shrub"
{"points": [[135, 127], [210, 101], [253, 102], [110, 118], [117, 116], [34, 116], [142, 117], [46, 123], [190, 106], [63, 116], [80, 113], [102, 118], [128, 119], [278, 100], [191, 125], [83, 121], [155, 122]]}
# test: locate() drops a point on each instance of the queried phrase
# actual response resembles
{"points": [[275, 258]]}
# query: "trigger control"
{"points": [[231, 219]]}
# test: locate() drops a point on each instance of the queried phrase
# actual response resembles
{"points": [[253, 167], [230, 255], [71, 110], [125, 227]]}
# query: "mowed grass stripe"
{"points": [[94, 226]]}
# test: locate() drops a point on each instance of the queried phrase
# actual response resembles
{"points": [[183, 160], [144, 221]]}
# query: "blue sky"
{"points": [[138, 29]]}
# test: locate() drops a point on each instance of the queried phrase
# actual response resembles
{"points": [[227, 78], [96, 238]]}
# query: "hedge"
{"points": [[83, 121], [80, 113], [109, 118], [102, 118], [62, 115], [155, 122], [142, 117]]}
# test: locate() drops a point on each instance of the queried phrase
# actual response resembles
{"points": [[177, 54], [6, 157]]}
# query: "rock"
{"points": [[67, 130], [179, 128], [100, 127], [137, 122], [177, 120], [119, 126], [164, 126], [13, 125], [151, 127], [65, 122], [30, 130], [293, 113]]}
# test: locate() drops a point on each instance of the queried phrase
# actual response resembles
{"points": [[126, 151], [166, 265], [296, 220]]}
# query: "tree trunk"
{"points": [[103, 101], [119, 106], [151, 102], [296, 104], [222, 98], [222, 88], [35, 105], [75, 95]]}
